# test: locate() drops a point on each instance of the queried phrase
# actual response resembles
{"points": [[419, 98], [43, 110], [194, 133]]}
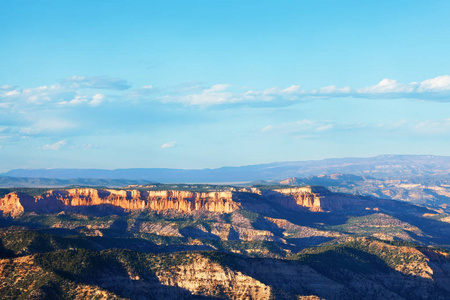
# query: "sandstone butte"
{"points": [[311, 198]]}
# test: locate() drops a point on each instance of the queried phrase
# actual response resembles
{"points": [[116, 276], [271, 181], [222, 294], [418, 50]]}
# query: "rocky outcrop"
{"points": [[312, 198], [189, 201], [129, 200], [318, 199], [207, 278], [10, 205], [14, 204], [303, 196]]}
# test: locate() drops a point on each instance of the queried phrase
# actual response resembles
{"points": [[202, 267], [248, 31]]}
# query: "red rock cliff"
{"points": [[14, 204], [10, 205], [319, 199], [302, 196]]}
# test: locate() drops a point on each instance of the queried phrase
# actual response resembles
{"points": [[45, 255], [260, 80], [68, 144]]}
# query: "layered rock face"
{"points": [[312, 198], [304, 196], [318, 199], [14, 204], [207, 278], [10, 205], [129, 200], [190, 201]]}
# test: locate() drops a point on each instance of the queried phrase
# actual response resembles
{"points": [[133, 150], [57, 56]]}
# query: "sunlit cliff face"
{"points": [[14, 204]]}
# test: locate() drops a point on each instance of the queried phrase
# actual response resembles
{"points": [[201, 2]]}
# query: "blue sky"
{"points": [[196, 84]]}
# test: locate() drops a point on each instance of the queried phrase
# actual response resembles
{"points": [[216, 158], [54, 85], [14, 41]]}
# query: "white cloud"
{"points": [[291, 90], [423, 90], [220, 94], [54, 147], [388, 86], [213, 96], [75, 91], [11, 93], [440, 83], [97, 99], [332, 89], [76, 101], [267, 128], [29, 99], [435, 89], [169, 145]]}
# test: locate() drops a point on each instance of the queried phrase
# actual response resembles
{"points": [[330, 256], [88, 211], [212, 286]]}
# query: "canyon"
{"points": [[279, 242], [311, 198], [305, 198]]}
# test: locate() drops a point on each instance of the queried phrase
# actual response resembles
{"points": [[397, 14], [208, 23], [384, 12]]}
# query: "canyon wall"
{"points": [[318, 199], [10, 205], [14, 204], [303, 196], [312, 198]]}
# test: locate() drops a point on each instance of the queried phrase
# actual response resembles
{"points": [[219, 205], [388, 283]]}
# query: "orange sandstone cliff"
{"points": [[312, 198], [319, 199], [14, 204], [10, 205]]}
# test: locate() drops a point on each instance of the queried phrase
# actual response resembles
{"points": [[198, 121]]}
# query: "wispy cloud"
{"points": [[98, 82], [7, 87], [36, 96], [169, 145], [90, 146], [302, 128], [46, 96], [95, 100], [299, 126], [433, 127], [78, 90], [54, 147], [434, 89], [47, 125], [215, 95]]}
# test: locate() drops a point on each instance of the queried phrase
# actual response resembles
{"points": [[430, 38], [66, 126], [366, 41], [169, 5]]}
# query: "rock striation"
{"points": [[317, 199], [312, 198], [14, 204], [10, 205]]}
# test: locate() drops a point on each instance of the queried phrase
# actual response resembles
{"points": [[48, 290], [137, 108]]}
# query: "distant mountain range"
{"points": [[6, 181], [382, 167]]}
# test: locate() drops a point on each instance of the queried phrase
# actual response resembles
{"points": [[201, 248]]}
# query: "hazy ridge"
{"points": [[383, 166]]}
